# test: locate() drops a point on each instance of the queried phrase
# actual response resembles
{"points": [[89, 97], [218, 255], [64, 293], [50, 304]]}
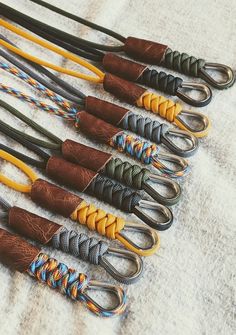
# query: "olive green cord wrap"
{"points": [[183, 63], [129, 174]]}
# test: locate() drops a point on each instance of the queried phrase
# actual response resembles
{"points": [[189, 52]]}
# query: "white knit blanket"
{"points": [[188, 287]]}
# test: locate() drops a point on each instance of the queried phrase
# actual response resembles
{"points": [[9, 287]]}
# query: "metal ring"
{"points": [[179, 161], [165, 138], [199, 117], [169, 183], [122, 253], [197, 87], [220, 68]]}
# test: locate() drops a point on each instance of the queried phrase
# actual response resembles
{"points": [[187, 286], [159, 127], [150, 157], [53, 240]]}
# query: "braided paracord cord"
{"points": [[114, 193], [97, 219], [160, 80], [130, 174], [183, 63], [67, 281], [159, 105], [79, 245], [144, 126]]}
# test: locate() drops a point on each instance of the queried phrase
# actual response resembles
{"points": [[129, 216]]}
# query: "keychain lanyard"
{"points": [[121, 88], [72, 206], [24, 257], [112, 63], [152, 52]]}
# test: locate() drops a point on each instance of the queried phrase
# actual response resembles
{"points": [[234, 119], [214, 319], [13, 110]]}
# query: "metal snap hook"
{"points": [[201, 119], [119, 308], [180, 162], [142, 229], [220, 68], [122, 253], [197, 87], [189, 151], [167, 182], [155, 207]]}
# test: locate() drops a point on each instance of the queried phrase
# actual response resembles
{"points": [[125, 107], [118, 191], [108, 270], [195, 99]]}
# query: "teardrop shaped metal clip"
{"points": [[203, 88], [154, 207], [174, 173], [122, 253], [203, 123], [103, 286], [192, 146], [168, 183], [219, 68], [140, 229]]}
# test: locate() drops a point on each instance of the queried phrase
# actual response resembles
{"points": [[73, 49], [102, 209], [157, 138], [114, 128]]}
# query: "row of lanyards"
{"points": [[144, 151], [121, 88]]}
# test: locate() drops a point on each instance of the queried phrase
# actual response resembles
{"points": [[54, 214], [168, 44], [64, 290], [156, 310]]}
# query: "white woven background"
{"points": [[188, 287]]}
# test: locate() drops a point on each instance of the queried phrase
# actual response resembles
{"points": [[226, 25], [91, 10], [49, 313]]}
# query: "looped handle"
{"points": [[123, 278], [168, 183], [182, 165], [154, 207], [23, 167], [103, 286], [203, 88], [199, 118], [177, 133], [142, 229], [220, 85]]}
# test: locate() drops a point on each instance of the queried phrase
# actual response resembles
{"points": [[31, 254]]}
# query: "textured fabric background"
{"points": [[188, 287]]}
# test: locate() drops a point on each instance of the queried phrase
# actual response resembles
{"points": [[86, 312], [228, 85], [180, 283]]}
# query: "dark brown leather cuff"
{"points": [[83, 155], [31, 225], [16, 252]]}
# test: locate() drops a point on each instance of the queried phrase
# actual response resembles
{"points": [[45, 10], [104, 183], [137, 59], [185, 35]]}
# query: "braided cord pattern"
{"points": [[160, 80], [59, 276], [144, 126], [96, 219], [130, 174], [41, 88], [159, 105], [114, 193], [183, 63], [79, 245]]}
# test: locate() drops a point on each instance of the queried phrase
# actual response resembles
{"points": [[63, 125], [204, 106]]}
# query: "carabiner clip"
{"points": [[181, 162], [154, 207], [142, 229], [200, 130], [122, 253], [103, 286], [219, 68], [168, 183], [189, 151], [203, 88]]}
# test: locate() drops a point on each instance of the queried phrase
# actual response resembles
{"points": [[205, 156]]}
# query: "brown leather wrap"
{"points": [[16, 252], [97, 128], [105, 110], [122, 89], [31, 225], [54, 198], [69, 174], [122, 67], [144, 50], [88, 157]]}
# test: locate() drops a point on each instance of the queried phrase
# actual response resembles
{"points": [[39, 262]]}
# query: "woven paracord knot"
{"points": [[160, 105], [130, 174], [144, 126], [96, 219], [161, 81], [114, 193], [79, 245], [183, 63], [58, 275], [135, 147]]}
